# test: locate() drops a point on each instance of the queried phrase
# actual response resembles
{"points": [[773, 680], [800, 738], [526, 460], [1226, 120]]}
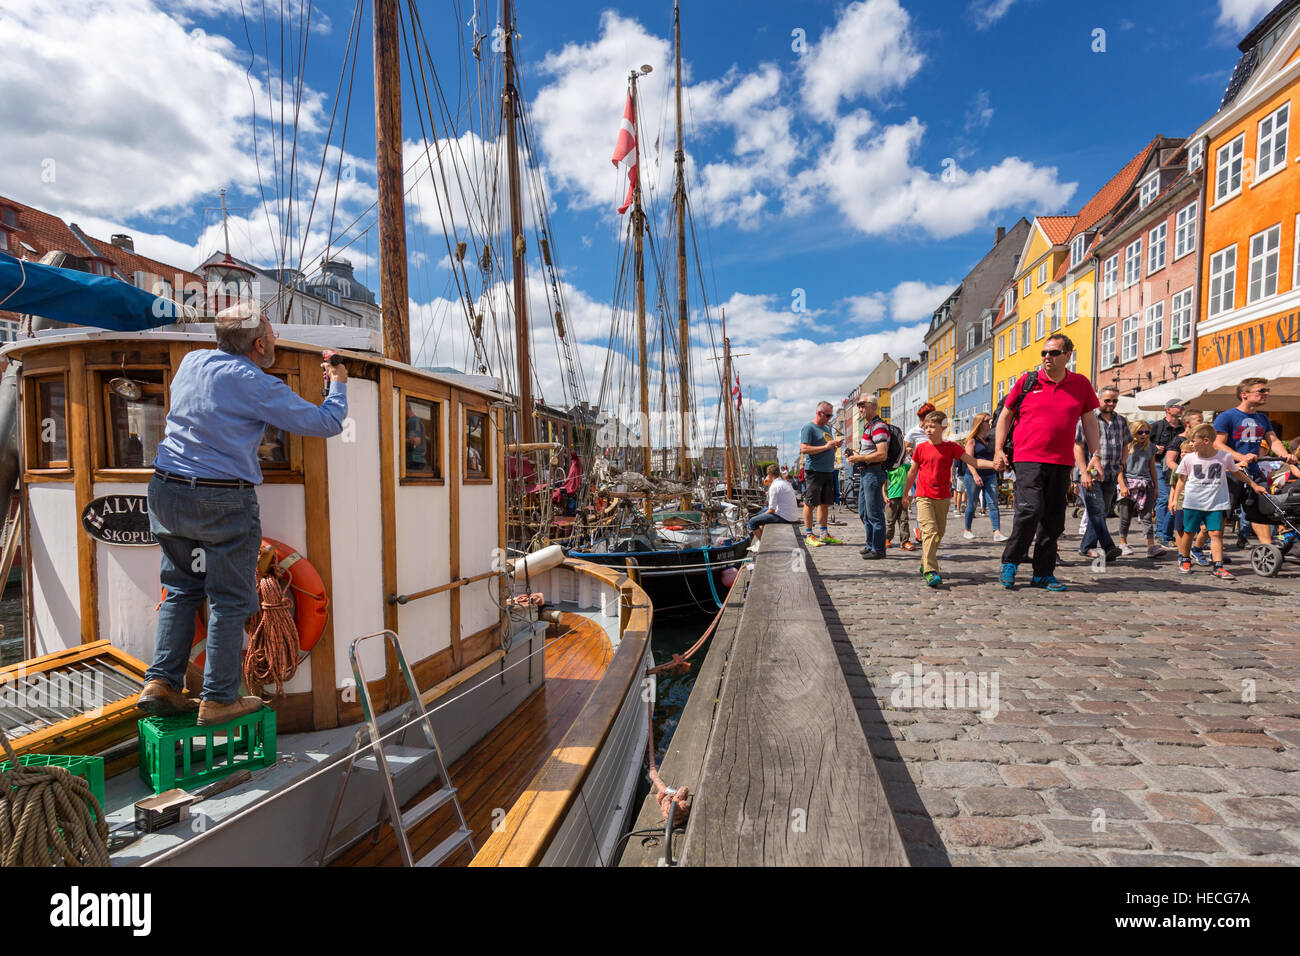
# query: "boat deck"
{"points": [[493, 773]]}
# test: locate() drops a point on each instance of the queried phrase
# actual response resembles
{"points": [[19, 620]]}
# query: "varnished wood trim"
{"points": [[79, 399], [445, 687], [531, 824], [37, 477], [453, 444], [324, 707], [498, 420], [394, 685]]}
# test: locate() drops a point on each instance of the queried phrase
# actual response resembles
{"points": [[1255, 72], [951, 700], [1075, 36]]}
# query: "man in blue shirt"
{"points": [[203, 505], [818, 446], [1243, 432]]}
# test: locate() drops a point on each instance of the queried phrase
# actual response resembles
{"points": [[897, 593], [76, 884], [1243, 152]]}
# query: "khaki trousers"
{"points": [[932, 516]]}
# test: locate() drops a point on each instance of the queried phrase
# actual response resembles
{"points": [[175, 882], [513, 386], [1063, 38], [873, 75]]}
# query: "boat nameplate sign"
{"points": [[119, 519]]}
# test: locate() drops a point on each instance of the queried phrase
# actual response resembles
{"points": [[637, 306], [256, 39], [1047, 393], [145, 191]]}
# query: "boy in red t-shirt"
{"points": [[932, 472]]}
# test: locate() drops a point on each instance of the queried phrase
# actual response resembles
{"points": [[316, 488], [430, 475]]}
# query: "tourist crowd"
{"points": [[1051, 442]]}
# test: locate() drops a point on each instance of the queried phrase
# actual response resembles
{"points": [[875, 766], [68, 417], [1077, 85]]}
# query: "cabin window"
{"points": [[273, 452], [422, 439], [49, 432], [477, 456], [133, 427]]}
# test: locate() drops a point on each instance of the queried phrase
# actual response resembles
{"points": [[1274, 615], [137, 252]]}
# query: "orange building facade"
{"points": [[1250, 256]]}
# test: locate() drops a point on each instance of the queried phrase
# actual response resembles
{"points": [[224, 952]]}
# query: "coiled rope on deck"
{"points": [[46, 817]]}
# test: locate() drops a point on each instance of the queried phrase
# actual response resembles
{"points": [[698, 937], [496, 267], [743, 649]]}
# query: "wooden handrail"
{"points": [[427, 592]]}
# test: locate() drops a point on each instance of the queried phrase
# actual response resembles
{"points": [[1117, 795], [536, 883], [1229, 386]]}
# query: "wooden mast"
{"points": [[638, 258], [726, 400], [388, 155], [683, 330], [518, 244]]}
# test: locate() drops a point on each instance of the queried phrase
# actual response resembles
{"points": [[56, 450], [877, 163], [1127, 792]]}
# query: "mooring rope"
{"points": [[46, 817]]}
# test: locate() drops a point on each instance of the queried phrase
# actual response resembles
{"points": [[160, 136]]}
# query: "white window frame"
{"points": [[1148, 190], [1269, 253], [985, 376], [1185, 230], [1107, 347], [1024, 334], [1042, 273], [1157, 246], [4, 240], [988, 328], [1009, 300], [1130, 336], [1029, 284], [1072, 309], [1223, 281], [1078, 246], [1002, 347], [1153, 328], [970, 337], [1272, 141], [1228, 163], [1181, 316], [1196, 155], [1072, 363], [1295, 271], [1040, 325], [1054, 310], [1133, 263], [1110, 277], [1012, 339]]}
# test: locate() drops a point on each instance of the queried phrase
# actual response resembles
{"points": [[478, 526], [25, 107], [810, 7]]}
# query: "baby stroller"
{"points": [[1281, 510]]}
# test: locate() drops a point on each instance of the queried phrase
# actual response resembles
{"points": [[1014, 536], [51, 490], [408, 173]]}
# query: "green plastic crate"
{"points": [[91, 768], [177, 752]]}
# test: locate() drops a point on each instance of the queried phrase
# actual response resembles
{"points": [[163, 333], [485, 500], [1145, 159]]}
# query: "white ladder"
{"points": [[404, 760]]}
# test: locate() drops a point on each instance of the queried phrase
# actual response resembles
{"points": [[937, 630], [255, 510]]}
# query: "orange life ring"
{"points": [[311, 603]]}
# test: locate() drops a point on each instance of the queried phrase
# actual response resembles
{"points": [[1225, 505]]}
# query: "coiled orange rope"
{"points": [[272, 655]]}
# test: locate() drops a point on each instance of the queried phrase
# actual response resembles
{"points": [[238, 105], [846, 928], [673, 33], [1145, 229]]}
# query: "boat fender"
{"points": [[538, 562]]}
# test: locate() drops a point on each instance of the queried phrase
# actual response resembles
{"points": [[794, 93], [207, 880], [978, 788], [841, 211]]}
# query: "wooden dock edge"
{"points": [[787, 777], [683, 763]]}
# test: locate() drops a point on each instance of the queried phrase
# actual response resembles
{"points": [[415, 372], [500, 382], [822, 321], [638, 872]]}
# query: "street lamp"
{"points": [[1173, 355]]}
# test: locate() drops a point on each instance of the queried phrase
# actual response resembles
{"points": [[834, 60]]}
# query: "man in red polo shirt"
{"points": [[1047, 405]]}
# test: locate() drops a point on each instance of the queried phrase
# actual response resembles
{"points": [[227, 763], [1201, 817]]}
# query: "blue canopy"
{"points": [[80, 299]]}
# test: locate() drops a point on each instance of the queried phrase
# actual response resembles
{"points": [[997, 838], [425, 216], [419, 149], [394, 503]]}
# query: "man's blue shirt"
{"points": [[814, 434], [220, 407], [1246, 432]]}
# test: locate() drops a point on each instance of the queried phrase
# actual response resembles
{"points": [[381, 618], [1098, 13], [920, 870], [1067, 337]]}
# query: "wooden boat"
{"points": [[573, 738]]}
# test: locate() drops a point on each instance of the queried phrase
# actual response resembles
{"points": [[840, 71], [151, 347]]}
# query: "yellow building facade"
{"points": [[941, 341], [1017, 344]]}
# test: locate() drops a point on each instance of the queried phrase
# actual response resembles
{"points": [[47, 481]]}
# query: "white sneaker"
{"points": [[753, 548], [968, 535], [999, 536], [1154, 551], [1125, 550]]}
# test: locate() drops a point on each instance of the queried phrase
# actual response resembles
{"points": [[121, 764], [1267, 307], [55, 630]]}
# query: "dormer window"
{"points": [[4, 240], [1077, 248], [332, 297], [1009, 300], [8, 216], [1148, 190], [100, 268]]}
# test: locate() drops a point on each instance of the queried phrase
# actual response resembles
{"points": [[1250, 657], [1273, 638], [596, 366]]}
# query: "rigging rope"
{"points": [[48, 817]]}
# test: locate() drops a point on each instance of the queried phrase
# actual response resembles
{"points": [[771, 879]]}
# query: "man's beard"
{"points": [[267, 359]]}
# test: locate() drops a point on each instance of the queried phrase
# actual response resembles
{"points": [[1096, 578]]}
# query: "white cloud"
{"points": [[871, 307], [868, 51], [1242, 15], [917, 300], [867, 172], [980, 113], [989, 12]]}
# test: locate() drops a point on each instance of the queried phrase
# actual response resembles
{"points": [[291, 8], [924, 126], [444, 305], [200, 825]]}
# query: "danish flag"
{"points": [[625, 151], [736, 391]]}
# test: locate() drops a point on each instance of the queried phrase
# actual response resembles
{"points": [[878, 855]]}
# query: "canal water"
{"points": [[674, 636]]}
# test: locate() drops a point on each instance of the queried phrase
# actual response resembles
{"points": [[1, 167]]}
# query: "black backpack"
{"points": [[1014, 410], [893, 457]]}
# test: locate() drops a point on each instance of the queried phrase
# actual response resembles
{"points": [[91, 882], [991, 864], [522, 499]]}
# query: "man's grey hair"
{"points": [[869, 400], [827, 404], [1108, 388], [239, 327]]}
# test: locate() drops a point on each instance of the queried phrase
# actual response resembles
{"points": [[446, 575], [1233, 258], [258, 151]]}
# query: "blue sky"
{"points": [[867, 168]]}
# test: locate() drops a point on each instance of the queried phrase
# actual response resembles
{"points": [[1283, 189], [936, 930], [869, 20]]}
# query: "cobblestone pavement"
{"points": [[1145, 716]]}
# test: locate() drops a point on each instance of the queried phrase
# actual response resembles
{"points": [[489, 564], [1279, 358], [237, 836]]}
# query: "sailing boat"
{"points": [[537, 710], [679, 553]]}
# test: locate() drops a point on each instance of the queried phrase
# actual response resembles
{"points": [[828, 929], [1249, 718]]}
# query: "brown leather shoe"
{"points": [[210, 712], [160, 699]]}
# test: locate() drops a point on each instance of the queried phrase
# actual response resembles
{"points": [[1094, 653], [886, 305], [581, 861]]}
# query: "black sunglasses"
{"points": [[1053, 352], [1140, 434]]}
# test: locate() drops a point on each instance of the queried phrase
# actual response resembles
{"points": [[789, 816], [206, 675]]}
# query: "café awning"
{"points": [[1216, 388]]}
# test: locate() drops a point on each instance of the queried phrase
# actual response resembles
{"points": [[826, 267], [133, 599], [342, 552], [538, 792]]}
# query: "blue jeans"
{"points": [[1094, 501], [1164, 520], [871, 507], [209, 539], [1106, 488], [990, 494], [767, 517]]}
